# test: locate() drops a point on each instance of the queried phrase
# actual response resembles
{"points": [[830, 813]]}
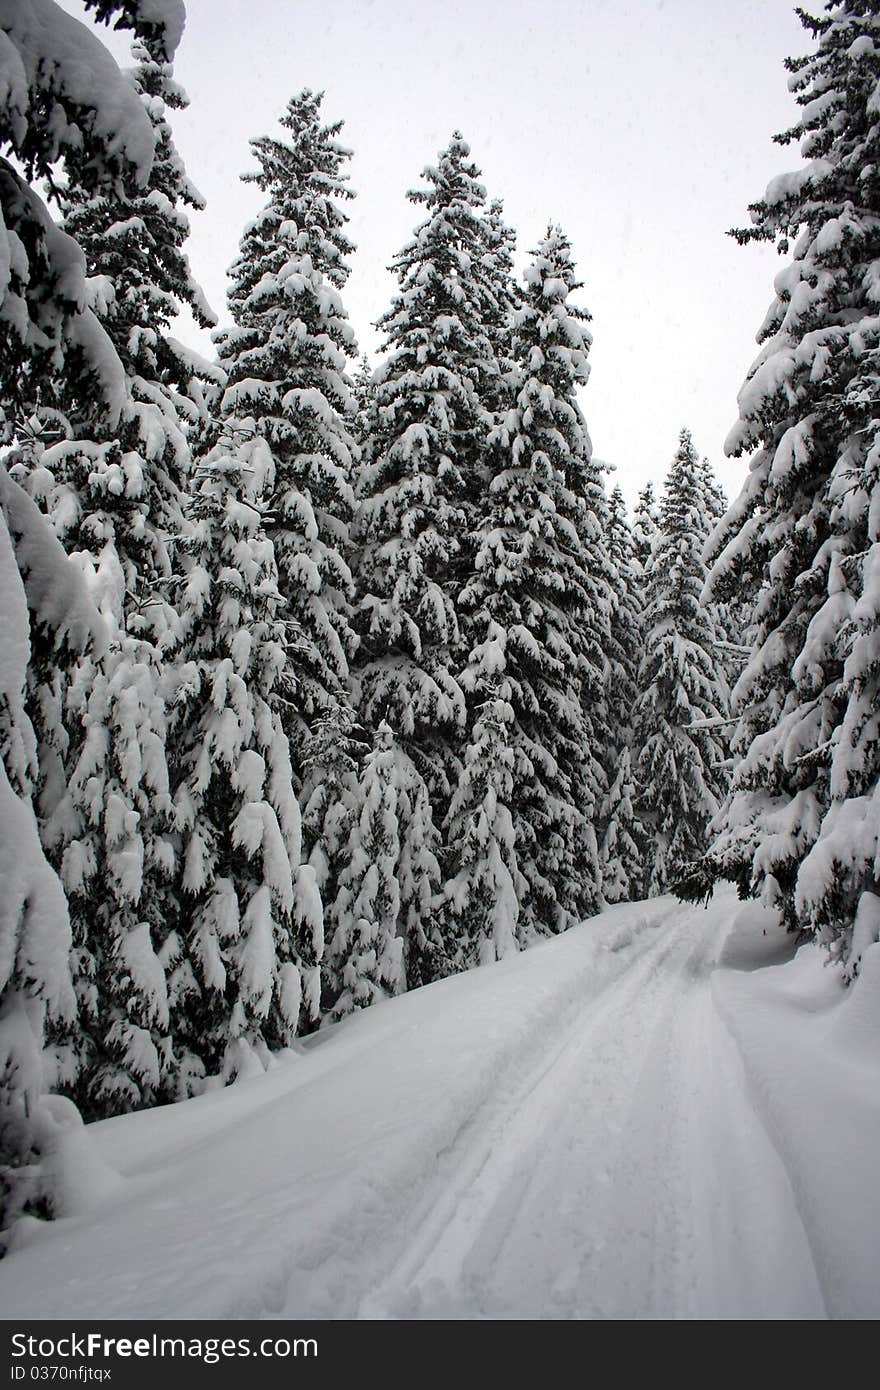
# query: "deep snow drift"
{"points": [[664, 1113]]}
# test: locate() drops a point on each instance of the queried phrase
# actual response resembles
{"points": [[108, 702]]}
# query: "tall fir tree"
{"points": [[503, 297], [243, 957], [286, 360], [45, 607], [332, 761], [63, 99], [646, 524], [716, 501], [678, 720], [362, 408], [113, 491], [800, 828], [623, 649], [540, 579], [426, 474], [622, 847], [732, 618]]}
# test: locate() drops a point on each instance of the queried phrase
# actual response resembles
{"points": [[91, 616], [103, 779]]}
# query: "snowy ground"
{"points": [[633, 1120]]}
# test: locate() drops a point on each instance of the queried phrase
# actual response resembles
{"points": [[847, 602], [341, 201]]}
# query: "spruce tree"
{"points": [[678, 720], [482, 898], [243, 959], [646, 523], [623, 647], [622, 847], [715, 499], [63, 101], [426, 475], [113, 491], [733, 618], [624, 843], [332, 762], [286, 360], [539, 577], [502, 298], [362, 407], [45, 607], [111, 834], [799, 828]]}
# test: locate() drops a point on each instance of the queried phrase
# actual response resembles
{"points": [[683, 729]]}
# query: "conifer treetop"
{"points": [[305, 177], [439, 312]]}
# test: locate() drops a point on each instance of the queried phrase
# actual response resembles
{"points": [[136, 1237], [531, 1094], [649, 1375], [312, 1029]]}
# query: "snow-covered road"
{"points": [[603, 1179], [587, 1130]]}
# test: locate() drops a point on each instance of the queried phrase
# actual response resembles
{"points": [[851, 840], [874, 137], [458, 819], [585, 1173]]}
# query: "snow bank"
{"points": [[811, 1049]]}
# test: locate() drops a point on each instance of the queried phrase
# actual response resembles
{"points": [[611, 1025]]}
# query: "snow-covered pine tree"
{"points": [[286, 360], [481, 906], [110, 835], [716, 501], [800, 828], [362, 407], [622, 849], [126, 486], [62, 94], [113, 491], [426, 475], [243, 960], [733, 618], [365, 951], [332, 762], [623, 651], [44, 600], [646, 524], [504, 296], [538, 566], [558, 342], [678, 729]]}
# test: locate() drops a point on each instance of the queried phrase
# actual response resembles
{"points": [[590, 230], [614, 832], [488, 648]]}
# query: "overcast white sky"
{"points": [[644, 127]]}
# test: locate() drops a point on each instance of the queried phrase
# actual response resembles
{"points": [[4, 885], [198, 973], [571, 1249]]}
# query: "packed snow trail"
{"points": [[590, 1194], [571, 1133]]}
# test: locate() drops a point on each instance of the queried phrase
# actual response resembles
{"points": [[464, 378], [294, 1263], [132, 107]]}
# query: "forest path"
{"points": [[567, 1134], [624, 1175]]}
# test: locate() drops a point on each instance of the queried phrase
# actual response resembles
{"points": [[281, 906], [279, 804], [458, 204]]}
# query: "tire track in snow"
{"points": [[466, 1218], [324, 1267], [602, 1185], [753, 1246]]}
